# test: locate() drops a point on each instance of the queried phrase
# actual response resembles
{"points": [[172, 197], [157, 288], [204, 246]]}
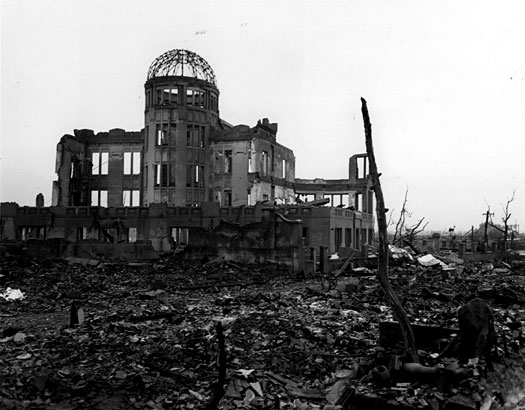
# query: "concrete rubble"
{"points": [[147, 338]]}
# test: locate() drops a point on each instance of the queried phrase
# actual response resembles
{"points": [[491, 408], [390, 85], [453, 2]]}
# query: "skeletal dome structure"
{"points": [[182, 107], [183, 63]]}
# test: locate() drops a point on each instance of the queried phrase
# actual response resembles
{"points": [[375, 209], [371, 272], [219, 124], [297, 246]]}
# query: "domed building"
{"points": [[188, 168], [185, 155], [182, 107]]}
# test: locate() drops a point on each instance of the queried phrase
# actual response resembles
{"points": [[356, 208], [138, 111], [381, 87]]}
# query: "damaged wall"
{"points": [[98, 169], [160, 224], [251, 167], [278, 240]]}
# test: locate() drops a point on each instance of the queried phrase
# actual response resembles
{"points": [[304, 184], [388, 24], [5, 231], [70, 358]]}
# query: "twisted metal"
{"points": [[181, 63]]}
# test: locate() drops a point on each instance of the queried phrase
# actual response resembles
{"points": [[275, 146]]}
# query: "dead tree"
{"points": [[412, 231], [505, 220], [406, 234], [401, 221], [382, 265]]}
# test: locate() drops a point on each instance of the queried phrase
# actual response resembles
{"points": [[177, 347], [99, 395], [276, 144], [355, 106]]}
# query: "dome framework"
{"points": [[183, 63]]}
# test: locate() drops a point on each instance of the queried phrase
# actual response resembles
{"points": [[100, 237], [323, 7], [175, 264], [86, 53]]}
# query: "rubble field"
{"points": [[147, 336]]}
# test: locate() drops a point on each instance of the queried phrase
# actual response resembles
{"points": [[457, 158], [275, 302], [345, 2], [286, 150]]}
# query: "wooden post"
{"points": [[218, 393], [382, 264]]}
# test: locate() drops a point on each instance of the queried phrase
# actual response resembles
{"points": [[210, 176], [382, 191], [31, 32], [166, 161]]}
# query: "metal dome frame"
{"points": [[181, 62]]}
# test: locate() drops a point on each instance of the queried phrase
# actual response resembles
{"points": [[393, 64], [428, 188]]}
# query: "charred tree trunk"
{"points": [[382, 265]]}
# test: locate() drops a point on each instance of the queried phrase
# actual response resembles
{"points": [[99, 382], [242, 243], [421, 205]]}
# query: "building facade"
{"points": [[251, 167], [188, 169]]}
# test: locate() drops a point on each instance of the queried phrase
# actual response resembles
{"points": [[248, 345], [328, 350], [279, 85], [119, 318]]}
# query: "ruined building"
{"points": [[188, 173]]}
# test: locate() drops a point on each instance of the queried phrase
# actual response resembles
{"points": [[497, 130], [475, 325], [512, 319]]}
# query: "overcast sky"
{"points": [[444, 81]]}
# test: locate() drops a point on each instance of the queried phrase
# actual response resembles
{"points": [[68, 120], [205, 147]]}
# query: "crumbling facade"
{"points": [[122, 187], [99, 170], [251, 167]]}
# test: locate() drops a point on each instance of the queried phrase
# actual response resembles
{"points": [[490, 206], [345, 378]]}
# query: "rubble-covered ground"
{"points": [[147, 338]]}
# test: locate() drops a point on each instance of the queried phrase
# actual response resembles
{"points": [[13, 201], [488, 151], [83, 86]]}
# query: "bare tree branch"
{"points": [[505, 219], [401, 221]]}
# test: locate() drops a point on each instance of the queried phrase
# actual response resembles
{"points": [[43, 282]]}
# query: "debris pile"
{"points": [[145, 336]]}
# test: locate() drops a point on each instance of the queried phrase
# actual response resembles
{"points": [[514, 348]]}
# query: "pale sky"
{"points": [[444, 81]]}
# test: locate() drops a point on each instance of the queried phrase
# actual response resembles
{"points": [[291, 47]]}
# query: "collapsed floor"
{"points": [[148, 338]]}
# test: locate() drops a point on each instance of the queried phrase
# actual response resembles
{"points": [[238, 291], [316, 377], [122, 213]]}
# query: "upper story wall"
{"points": [[98, 169], [353, 192], [250, 166]]}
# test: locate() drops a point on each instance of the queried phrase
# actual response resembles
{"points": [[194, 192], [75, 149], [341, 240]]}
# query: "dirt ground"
{"points": [[147, 337]]}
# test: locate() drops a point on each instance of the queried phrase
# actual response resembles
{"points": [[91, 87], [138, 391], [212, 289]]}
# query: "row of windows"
{"points": [[165, 175], [341, 200], [165, 134], [100, 161], [122, 234], [361, 236], [193, 97], [129, 198], [195, 176], [195, 135], [180, 236]]}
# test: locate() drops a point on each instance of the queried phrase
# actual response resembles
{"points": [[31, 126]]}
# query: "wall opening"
{"points": [[99, 198], [228, 161], [338, 238], [362, 167], [180, 236], [131, 197], [265, 163]]}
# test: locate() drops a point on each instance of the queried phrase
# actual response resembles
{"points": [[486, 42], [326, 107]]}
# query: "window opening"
{"points": [[104, 161], [348, 237], [189, 135], [357, 201], [250, 162], [338, 238], [164, 175], [131, 197], [103, 198], [135, 160], [202, 137], [362, 167], [156, 170], [161, 136], [264, 162], [99, 198], [180, 236], [227, 198], [305, 236], [127, 163], [132, 234], [189, 175], [170, 96], [228, 162], [95, 160]]}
